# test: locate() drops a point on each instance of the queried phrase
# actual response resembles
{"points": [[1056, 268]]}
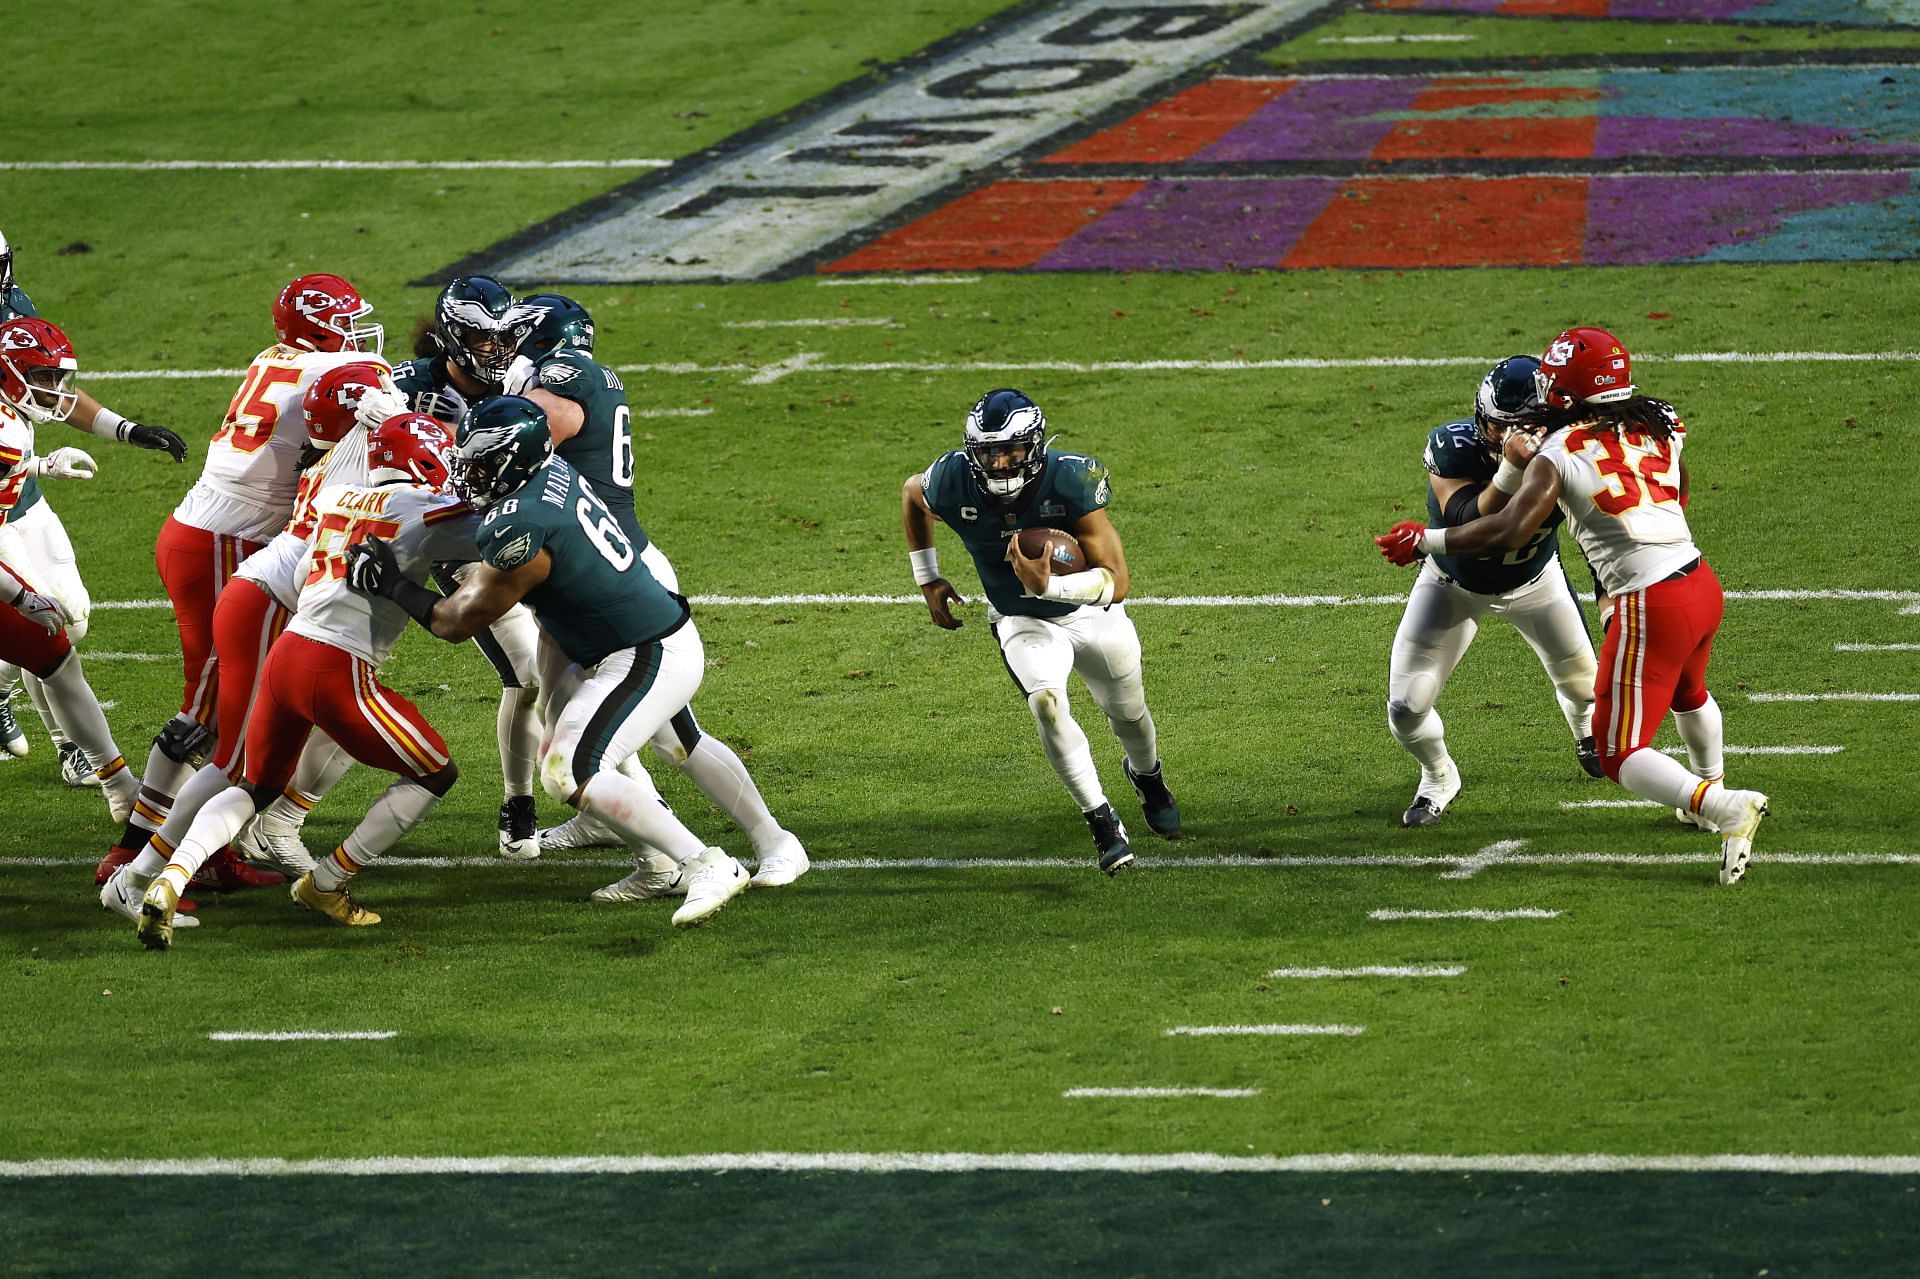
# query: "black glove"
{"points": [[156, 437], [372, 568]]}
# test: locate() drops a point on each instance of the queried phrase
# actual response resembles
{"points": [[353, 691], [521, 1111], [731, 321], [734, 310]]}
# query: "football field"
{"points": [[1538, 1037]]}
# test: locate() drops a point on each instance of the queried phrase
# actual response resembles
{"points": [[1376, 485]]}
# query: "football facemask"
{"points": [[470, 321], [1006, 443], [36, 370], [1507, 394]]}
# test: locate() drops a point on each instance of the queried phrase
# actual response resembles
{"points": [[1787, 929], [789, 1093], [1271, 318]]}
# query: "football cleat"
{"points": [[657, 875], [122, 894], [1431, 800], [1156, 801], [13, 740], [1696, 820], [1587, 751], [225, 872], [1736, 842], [1422, 812], [273, 841], [582, 830], [339, 905], [1109, 839], [781, 864], [75, 770], [519, 829], [154, 927], [713, 880]]}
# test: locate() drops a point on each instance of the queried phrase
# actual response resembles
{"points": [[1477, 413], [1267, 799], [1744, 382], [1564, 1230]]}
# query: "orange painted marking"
{"points": [[1488, 139], [1175, 129], [1001, 227], [1448, 222]]}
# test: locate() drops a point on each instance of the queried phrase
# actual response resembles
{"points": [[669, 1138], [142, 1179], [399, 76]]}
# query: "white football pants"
{"points": [[35, 542]]}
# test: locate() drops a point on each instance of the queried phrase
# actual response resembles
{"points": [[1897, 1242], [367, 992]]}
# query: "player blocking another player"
{"points": [[1005, 480], [324, 672], [1610, 459], [547, 538], [243, 497], [1452, 593]]}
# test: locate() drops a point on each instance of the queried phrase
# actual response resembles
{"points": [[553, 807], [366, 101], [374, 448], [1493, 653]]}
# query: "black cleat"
{"points": [[1424, 812], [1588, 753], [1156, 801], [519, 829], [1110, 838]]}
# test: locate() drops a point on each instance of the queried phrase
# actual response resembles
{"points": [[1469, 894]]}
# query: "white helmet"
{"points": [[6, 267]]}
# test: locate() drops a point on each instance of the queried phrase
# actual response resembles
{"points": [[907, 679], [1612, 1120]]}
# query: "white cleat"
{"points": [[782, 863], [713, 880], [75, 769], [1431, 800], [658, 875], [1736, 840], [1696, 820], [13, 741], [273, 841], [122, 894], [582, 830]]}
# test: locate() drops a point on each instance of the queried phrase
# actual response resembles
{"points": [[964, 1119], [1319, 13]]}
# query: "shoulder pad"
{"points": [[1454, 450], [20, 304], [1082, 478], [566, 371]]}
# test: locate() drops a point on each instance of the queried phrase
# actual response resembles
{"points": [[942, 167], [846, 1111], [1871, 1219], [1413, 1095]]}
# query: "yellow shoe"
{"points": [[155, 925], [338, 906]]}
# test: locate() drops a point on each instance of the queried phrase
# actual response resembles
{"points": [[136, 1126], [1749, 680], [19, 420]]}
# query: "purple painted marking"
{"points": [[1691, 10], [1618, 136], [1665, 218], [1320, 120], [1196, 226]]}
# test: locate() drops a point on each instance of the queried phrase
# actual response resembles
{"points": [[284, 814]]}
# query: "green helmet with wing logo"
{"points": [[501, 445], [549, 322]]}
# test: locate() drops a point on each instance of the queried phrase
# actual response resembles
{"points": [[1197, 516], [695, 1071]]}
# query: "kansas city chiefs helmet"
{"points": [[322, 313], [36, 370], [1585, 366], [502, 444], [334, 397], [1006, 442], [409, 448]]}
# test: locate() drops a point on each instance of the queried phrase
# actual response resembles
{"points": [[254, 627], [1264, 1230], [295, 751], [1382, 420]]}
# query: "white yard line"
{"points": [[1270, 1028], [1161, 1092], [1833, 697], [1763, 750], [1372, 970], [279, 1036], [830, 322], [672, 412], [1484, 858], [961, 1162], [163, 166], [1610, 803], [1526, 912], [1876, 648], [96, 655]]}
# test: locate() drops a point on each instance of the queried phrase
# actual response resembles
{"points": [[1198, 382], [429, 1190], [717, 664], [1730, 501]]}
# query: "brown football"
{"points": [[1059, 546]]}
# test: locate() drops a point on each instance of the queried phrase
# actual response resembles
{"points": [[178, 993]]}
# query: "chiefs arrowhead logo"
{"points": [[313, 302], [1560, 353]]}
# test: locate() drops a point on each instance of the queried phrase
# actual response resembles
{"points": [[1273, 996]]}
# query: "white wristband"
{"points": [[1508, 478], [109, 425], [1433, 542], [926, 565], [1091, 586]]}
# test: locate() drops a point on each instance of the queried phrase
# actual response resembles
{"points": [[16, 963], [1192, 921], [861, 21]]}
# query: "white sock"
{"points": [[1065, 747], [633, 808], [37, 694], [1425, 737], [219, 821], [1138, 739], [722, 778], [1700, 728], [400, 808], [322, 764], [1573, 689], [211, 780], [72, 706], [517, 729], [1661, 778]]}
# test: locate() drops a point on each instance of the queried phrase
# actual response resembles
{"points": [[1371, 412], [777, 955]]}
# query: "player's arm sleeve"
{"points": [[22, 305], [506, 544], [1087, 489], [1464, 506]]}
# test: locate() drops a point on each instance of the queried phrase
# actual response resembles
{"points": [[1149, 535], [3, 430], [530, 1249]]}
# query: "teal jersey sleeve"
{"points": [[946, 482], [16, 305], [1455, 452], [1081, 484], [507, 542]]}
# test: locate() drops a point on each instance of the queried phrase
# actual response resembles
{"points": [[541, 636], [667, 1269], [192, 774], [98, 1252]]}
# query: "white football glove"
{"points": [[377, 405], [521, 377], [65, 464], [43, 611]]}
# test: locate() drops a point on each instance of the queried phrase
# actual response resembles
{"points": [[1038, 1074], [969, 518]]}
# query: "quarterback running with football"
{"points": [[35, 541], [1452, 593], [1610, 459], [547, 539], [1049, 626]]}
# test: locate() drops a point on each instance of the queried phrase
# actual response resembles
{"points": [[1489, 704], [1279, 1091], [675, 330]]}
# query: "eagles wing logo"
{"points": [[558, 374], [1101, 492], [514, 553]]}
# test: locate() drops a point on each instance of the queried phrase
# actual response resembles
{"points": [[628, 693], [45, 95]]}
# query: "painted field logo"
{"points": [[771, 204]]}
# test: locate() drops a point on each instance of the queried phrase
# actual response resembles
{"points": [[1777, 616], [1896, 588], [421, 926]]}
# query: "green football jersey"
{"points": [[602, 449], [1070, 486], [1456, 452], [17, 305], [598, 597]]}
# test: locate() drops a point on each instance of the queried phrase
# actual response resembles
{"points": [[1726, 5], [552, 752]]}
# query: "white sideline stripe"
{"points": [[898, 279], [147, 166], [1225, 862], [1876, 648], [1419, 39], [1161, 1092], [1610, 803], [957, 1162], [95, 655], [672, 412], [278, 1036], [1373, 970], [834, 322], [1526, 912], [1486, 857], [1177, 601], [1833, 697], [1270, 1028], [1762, 750]]}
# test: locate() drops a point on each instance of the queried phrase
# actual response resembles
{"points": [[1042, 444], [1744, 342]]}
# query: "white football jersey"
{"points": [[280, 567], [424, 527], [16, 448], [246, 489], [1621, 492]]}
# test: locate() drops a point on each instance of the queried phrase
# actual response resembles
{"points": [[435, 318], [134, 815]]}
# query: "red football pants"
{"points": [[194, 565], [1654, 660], [246, 621], [24, 643], [308, 684]]}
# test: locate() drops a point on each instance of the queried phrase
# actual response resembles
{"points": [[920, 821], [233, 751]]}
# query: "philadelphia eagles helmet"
{"points": [[549, 322], [500, 446]]}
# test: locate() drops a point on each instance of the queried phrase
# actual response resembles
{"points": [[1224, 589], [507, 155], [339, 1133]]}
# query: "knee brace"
{"points": [[185, 741]]}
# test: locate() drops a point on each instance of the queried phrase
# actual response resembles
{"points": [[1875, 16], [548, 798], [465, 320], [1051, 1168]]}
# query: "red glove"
{"points": [[1401, 543]]}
